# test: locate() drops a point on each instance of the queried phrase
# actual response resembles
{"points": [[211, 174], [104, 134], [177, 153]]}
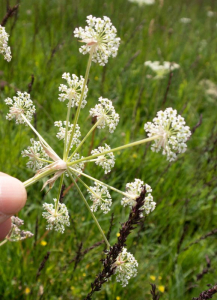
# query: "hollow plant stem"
{"points": [[36, 178], [88, 207], [66, 131]]}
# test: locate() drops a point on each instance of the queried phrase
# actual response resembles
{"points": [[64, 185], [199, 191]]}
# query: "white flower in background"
{"points": [[105, 114], [106, 161], [133, 191], [143, 2], [161, 69], [61, 134], [73, 90], [185, 20], [35, 153], [56, 219], [210, 87], [79, 166], [210, 13], [4, 48], [171, 132], [100, 37], [100, 197], [126, 267], [20, 105], [16, 234]]}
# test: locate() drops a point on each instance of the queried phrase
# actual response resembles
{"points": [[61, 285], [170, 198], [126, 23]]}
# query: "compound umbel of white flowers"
{"points": [[71, 164]]}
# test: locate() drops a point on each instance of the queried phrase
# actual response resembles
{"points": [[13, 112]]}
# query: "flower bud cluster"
{"points": [[4, 48], [170, 131], [161, 69], [58, 218], [16, 234], [100, 196], [73, 91], [62, 130], [35, 153], [126, 267], [100, 37], [105, 114], [106, 161], [22, 104], [134, 190]]}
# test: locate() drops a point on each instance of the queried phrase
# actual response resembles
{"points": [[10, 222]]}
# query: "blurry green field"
{"points": [[43, 44]]}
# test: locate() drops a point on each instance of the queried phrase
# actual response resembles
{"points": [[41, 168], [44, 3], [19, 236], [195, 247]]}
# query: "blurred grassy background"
{"points": [[42, 42]]}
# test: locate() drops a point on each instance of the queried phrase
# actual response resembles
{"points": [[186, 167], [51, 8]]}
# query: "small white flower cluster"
{"points": [[100, 197], [100, 37], [185, 20], [210, 13], [79, 166], [126, 267], [143, 2], [170, 131], [35, 152], [4, 48], [106, 161], [105, 114], [73, 91], [16, 234], [134, 190], [58, 218], [22, 104], [161, 69], [62, 130]]}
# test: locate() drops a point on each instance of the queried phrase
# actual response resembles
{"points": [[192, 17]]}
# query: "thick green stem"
{"points": [[81, 99], [38, 177], [115, 149], [88, 207], [3, 242], [66, 132], [81, 143]]}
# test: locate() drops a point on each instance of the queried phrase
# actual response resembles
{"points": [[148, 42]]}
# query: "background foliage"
{"points": [[42, 42]]}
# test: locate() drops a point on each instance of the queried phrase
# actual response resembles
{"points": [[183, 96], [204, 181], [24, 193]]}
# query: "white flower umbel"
{"points": [[100, 38], [4, 48], [185, 20], [133, 191], [106, 161], [36, 155], [57, 218], [100, 197], [126, 267], [73, 90], [105, 114], [171, 132], [16, 234], [22, 104], [62, 132], [143, 2], [161, 69]]}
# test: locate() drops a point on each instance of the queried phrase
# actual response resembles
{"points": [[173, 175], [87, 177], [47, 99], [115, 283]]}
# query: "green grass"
{"points": [[42, 44]]}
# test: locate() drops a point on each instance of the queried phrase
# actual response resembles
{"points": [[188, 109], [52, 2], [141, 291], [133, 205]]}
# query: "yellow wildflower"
{"points": [[43, 243], [152, 277], [161, 288]]}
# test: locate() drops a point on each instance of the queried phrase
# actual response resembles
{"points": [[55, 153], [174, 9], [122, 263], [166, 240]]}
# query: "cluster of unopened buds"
{"points": [[167, 133]]}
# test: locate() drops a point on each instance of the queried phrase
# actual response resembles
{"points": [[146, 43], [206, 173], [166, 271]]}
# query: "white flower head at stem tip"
{"points": [[61, 134], [22, 104], [133, 191], [56, 219], [106, 161], [171, 132], [16, 234], [143, 2], [73, 90], [100, 197], [161, 69], [35, 152], [105, 114], [100, 37], [4, 48], [125, 267]]}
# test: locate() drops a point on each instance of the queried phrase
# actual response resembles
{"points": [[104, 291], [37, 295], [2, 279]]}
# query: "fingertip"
{"points": [[5, 228], [12, 195]]}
